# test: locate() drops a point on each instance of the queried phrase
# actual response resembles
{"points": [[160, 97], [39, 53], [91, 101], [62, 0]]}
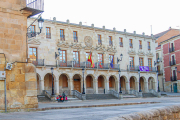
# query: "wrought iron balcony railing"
{"points": [[171, 49], [110, 43], [130, 45], [140, 46], [173, 62], [149, 47], [48, 35], [136, 68], [62, 37], [38, 62], [173, 78], [32, 34]]}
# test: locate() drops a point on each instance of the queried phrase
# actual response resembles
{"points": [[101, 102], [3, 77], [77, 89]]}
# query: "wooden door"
{"points": [[77, 85]]}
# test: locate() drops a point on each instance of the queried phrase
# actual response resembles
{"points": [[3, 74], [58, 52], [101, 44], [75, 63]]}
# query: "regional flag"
{"points": [[111, 63], [91, 61]]}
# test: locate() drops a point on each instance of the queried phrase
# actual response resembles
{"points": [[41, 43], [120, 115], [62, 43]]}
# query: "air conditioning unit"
{"points": [[2, 74]]}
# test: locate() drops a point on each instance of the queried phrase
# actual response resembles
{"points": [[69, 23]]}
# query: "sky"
{"points": [[132, 15]]}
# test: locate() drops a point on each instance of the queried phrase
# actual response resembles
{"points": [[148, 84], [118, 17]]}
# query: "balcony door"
{"points": [[76, 59], [62, 58], [33, 55]]}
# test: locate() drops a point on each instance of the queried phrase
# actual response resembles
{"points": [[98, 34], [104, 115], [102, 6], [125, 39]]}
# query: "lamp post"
{"points": [[118, 60], [139, 81], [52, 81], [40, 23], [83, 81], [56, 55], [119, 81], [157, 81]]}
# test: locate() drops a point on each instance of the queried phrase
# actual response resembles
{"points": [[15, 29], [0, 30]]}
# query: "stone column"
{"points": [[127, 87], [41, 86], [106, 86], [155, 86], [137, 86], [56, 85], [117, 85], [95, 86], [146, 87], [71, 85]]}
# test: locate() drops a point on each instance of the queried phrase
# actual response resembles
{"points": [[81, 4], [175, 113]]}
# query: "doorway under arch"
{"points": [[77, 82], [63, 84], [48, 82], [101, 84], [89, 84]]}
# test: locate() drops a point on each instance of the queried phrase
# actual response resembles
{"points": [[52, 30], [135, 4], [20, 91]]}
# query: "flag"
{"points": [[111, 64], [100, 64], [90, 60]]}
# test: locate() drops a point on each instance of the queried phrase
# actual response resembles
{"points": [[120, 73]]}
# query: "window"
{"points": [[149, 47], [48, 32], [130, 43], [75, 36], [141, 63], [76, 58], [33, 54], [99, 40], [140, 44], [110, 58], [62, 37], [120, 42], [110, 41], [131, 62], [150, 64], [62, 58], [100, 58], [32, 29]]}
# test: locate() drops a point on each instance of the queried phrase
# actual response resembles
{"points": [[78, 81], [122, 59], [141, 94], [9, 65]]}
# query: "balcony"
{"points": [[121, 44], [110, 43], [62, 37], [38, 62], [48, 35], [152, 69], [132, 68], [75, 39], [140, 46], [32, 34], [171, 49], [173, 62], [130, 45], [34, 6], [173, 78], [149, 47], [99, 42]]}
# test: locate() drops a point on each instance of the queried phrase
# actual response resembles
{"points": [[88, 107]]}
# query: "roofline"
{"points": [[120, 32], [169, 39]]}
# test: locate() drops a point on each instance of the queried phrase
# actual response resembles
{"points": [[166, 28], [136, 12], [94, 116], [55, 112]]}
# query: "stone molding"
{"points": [[34, 40], [131, 52], [150, 54], [141, 53]]}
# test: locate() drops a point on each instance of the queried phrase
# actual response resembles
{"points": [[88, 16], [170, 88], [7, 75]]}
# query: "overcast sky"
{"points": [[132, 15]]}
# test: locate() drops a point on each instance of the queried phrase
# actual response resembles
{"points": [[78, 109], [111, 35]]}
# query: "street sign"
{"points": [[2, 74]]}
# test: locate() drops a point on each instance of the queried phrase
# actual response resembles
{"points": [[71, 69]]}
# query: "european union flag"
{"points": [[112, 62]]}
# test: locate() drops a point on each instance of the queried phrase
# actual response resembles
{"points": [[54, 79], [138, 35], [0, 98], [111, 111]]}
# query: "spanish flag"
{"points": [[90, 60]]}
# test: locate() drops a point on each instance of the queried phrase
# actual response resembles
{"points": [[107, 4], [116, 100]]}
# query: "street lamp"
{"points": [[83, 81], [40, 23], [118, 60], [139, 81], [119, 81], [157, 81], [52, 81], [56, 55]]}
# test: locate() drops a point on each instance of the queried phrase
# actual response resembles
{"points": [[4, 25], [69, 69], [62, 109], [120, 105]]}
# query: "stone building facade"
{"points": [[171, 55], [18, 88], [76, 42]]}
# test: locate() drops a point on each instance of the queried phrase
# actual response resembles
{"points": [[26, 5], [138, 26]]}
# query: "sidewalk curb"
{"points": [[83, 106]]}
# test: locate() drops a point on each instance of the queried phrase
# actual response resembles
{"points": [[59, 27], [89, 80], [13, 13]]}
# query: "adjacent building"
{"points": [[75, 43]]}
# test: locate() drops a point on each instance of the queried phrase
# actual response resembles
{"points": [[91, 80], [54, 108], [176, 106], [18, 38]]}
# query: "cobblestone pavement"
{"points": [[93, 113]]}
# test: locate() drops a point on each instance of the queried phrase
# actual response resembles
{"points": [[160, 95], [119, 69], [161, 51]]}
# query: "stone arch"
{"points": [[64, 81], [101, 83], [112, 82], [133, 83], [77, 82], [142, 83], [38, 83], [48, 82], [151, 83], [89, 83]]}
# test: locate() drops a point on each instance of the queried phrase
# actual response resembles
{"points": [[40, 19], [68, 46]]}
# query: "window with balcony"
{"points": [[120, 42], [99, 40], [110, 41], [174, 76], [62, 36], [48, 32], [110, 58], [100, 58], [140, 44], [157, 57], [75, 36], [131, 63], [33, 53], [171, 49], [150, 64], [173, 61], [130, 43], [149, 46], [63, 58], [76, 58], [141, 63]]}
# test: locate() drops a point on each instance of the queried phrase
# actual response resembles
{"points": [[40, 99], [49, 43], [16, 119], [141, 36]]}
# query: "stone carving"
{"points": [[111, 49], [131, 52], [100, 48], [76, 45], [63, 44], [88, 41], [34, 40], [150, 54], [141, 53]]}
